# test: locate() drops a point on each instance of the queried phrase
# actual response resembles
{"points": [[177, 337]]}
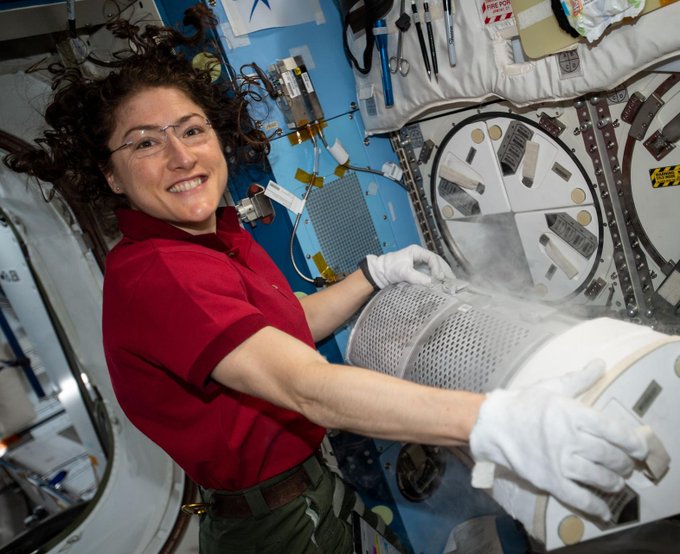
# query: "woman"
{"points": [[211, 354]]}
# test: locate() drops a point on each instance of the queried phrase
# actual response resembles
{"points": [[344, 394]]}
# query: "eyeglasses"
{"points": [[144, 143]]}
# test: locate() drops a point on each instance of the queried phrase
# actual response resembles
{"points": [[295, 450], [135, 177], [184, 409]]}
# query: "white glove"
{"points": [[546, 436], [400, 266]]}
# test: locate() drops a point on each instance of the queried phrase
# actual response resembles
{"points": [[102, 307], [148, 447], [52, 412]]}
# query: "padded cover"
{"points": [[486, 66]]}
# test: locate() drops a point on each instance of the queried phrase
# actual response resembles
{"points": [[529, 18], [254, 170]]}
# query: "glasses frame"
{"points": [[164, 132]]}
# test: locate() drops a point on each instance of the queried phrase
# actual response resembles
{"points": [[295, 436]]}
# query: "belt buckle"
{"points": [[195, 508]]}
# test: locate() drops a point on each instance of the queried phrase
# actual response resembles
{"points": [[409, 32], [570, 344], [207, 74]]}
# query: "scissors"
{"points": [[398, 63]]}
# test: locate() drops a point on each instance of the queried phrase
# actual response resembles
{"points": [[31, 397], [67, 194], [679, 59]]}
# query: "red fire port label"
{"points": [[494, 11]]}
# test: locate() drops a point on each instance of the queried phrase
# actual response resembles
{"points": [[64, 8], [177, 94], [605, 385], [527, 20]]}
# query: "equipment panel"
{"points": [[571, 204]]}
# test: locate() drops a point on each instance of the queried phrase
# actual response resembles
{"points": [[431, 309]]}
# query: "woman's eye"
{"points": [[193, 131], [144, 144]]}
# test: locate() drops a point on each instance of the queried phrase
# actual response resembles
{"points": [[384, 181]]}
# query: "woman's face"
{"points": [[179, 179]]}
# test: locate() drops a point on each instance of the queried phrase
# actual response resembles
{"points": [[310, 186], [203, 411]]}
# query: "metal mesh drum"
{"points": [[448, 335], [454, 336]]}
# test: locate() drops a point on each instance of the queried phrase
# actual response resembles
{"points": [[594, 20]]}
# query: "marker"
{"points": [[430, 38], [449, 12], [421, 38]]}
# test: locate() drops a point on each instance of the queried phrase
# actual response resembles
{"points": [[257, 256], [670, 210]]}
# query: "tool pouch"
{"points": [[360, 16]]}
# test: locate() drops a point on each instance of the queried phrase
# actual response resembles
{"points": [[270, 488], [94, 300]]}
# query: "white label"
{"points": [[291, 84], [308, 83], [284, 197], [392, 171]]}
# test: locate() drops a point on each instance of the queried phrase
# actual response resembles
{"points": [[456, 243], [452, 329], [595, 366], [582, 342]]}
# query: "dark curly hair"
{"points": [[73, 153]]}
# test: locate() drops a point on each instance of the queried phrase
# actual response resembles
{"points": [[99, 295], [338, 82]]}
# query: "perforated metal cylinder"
{"points": [[449, 335]]}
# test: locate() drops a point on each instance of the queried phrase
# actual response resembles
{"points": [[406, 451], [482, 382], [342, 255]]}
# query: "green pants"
{"points": [[318, 521]]}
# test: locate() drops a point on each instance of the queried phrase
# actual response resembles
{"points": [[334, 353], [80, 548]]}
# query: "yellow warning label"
{"points": [[665, 176]]}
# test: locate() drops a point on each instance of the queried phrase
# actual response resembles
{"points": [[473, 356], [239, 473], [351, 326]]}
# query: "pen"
{"points": [[449, 12], [421, 38], [430, 38]]}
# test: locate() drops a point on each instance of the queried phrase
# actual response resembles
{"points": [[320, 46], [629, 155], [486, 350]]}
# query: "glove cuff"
{"points": [[363, 266]]}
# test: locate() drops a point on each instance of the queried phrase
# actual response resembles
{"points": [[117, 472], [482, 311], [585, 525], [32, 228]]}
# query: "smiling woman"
{"points": [[177, 175], [88, 145]]}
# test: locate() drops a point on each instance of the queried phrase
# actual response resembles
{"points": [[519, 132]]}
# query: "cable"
{"points": [[346, 164], [317, 281], [342, 158]]}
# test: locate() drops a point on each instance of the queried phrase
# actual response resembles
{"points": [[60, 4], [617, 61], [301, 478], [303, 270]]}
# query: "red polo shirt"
{"points": [[175, 304]]}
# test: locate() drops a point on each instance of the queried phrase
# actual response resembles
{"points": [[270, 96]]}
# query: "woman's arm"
{"points": [[570, 444], [328, 309], [279, 368]]}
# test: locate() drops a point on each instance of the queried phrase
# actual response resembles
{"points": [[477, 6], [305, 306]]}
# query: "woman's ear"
{"points": [[111, 181]]}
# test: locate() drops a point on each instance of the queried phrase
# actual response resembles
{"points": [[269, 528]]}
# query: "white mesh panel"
{"points": [[389, 325], [470, 350], [433, 336]]}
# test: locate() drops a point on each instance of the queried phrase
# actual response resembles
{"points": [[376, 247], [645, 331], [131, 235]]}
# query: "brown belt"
{"points": [[262, 499], [279, 494]]}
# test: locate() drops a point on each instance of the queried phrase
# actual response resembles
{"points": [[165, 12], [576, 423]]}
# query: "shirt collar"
{"points": [[138, 226]]}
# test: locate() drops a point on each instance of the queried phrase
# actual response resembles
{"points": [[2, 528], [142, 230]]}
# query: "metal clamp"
{"points": [[195, 509]]}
